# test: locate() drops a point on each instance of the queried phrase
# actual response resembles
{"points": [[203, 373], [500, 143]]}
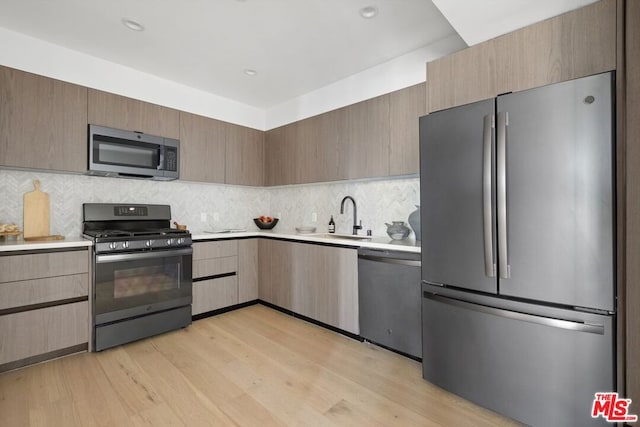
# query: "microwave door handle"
{"points": [[161, 158]]}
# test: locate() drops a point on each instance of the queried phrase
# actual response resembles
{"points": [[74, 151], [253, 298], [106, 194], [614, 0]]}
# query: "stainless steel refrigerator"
{"points": [[518, 251]]}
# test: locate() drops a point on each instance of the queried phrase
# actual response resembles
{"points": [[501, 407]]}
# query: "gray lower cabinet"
{"points": [[215, 280], [44, 308], [225, 273], [316, 281]]}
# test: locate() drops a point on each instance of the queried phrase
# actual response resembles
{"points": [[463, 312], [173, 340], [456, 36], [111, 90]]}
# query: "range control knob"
{"points": [[169, 242], [180, 240], [125, 245], [148, 243], [113, 245]]}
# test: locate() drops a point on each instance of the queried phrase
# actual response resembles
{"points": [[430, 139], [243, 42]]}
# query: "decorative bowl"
{"points": [[265, 225]]}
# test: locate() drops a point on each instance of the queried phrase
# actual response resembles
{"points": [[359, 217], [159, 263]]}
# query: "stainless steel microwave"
{"points": [[127, 154]]}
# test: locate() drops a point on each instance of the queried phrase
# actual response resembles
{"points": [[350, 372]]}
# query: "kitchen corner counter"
{"points": [[408, 245], [21, 245]]}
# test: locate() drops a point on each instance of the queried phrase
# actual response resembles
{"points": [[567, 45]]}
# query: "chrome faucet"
{"points": [[356, 227]]}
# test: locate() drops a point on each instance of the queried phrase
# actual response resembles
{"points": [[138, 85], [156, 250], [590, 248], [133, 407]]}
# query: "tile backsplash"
{"points": [[225, 206]]}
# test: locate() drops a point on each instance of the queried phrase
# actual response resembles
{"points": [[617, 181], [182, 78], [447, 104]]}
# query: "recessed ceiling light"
{"points": [[369, 12], [132, 25], [250, 72]]}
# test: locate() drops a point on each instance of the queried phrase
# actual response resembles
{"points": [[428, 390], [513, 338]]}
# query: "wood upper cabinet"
{"points": [[320, 282], [43, 122], [244, 155], [317, 139], [405, 108], [568, 46], [202, 148], [463, 77], [282, 159], [363, 145], [107, 109]]}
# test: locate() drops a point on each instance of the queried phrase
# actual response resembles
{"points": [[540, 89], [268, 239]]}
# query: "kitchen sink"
{"points": [[341, 236]]}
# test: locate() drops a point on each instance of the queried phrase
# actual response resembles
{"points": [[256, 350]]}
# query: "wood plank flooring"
{"points": [[253, 366]]}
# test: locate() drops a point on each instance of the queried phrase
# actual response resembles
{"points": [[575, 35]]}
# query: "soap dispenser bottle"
{"points": [[332, 225]]}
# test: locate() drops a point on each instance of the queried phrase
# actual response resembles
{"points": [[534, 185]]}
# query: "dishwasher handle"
{"points": [[409, 262]]}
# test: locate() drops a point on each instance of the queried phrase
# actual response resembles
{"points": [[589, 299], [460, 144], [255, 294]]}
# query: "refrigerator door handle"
{"points": [[515, 315], [503, 121], [489, 266]]}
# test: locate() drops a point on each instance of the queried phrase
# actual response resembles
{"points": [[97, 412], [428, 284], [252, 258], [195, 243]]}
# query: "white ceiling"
{"points": [[296, 46]]}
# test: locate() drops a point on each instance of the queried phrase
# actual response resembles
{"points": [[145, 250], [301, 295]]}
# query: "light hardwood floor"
{"points": [[253, 366]]}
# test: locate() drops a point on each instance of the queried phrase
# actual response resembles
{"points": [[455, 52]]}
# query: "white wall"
{"points": [[398, 73], [47, 59]]}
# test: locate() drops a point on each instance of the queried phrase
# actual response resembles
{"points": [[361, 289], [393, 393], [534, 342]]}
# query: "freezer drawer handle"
{"points": [[489, 266], [503, 122], [391, 260], [546, 321]]}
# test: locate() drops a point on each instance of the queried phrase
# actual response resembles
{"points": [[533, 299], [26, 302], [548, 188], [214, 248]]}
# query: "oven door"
{"points": [[133, 284]]}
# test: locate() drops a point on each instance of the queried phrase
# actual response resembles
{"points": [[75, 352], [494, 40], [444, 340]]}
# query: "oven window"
{"points": [[130, 287], [145, 280]]}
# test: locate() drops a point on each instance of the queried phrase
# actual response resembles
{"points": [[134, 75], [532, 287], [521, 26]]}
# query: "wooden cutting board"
{"points": [[35, 212]]}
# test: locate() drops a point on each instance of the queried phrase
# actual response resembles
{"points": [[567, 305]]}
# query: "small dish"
{"points": [[305, 230], [262, 225]]}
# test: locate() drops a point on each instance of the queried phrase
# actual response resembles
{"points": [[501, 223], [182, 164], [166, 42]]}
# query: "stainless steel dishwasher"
{"points": [[389, 299]]}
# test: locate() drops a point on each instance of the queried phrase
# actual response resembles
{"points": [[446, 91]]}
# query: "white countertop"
{"points": [[407, 245], [13, 244]]}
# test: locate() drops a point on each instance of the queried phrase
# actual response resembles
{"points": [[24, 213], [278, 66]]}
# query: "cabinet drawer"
{"points": [[213, 294], [215, 266], [35, 332], [225, 248], [40, 265], [38, 291]]}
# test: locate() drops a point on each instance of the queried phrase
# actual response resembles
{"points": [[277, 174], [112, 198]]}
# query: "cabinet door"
{"points": [[282, 155], [277, 267], [405, 108], [318, 147], [213, 294], [325, 285], [566, 47], [363, 146], [247, 270], [244, 155], [107, 109], [202, 148], [320, 282], [38, 332], [43, 122], [463, 77]]}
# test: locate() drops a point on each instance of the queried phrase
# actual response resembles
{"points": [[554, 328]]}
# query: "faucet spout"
{"points": [[356, 227]]}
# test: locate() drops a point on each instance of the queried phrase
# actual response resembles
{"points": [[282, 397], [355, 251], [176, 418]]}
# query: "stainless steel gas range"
{"points": [[141, 272]]}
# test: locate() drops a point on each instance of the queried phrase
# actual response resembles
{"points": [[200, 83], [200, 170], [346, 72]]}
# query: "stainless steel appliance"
{"points": [[518, 251], [389, 299], [121, 153], [142, 272]]}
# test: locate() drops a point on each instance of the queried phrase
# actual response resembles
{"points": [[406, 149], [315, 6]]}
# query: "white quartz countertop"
{"points": [[13, 244], [407, 245]]}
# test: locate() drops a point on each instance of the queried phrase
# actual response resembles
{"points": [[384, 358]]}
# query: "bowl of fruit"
{"points": [[265, 222]]}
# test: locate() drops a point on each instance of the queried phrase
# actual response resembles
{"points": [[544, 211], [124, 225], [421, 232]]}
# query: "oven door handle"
{"points": [[101, 259]]}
